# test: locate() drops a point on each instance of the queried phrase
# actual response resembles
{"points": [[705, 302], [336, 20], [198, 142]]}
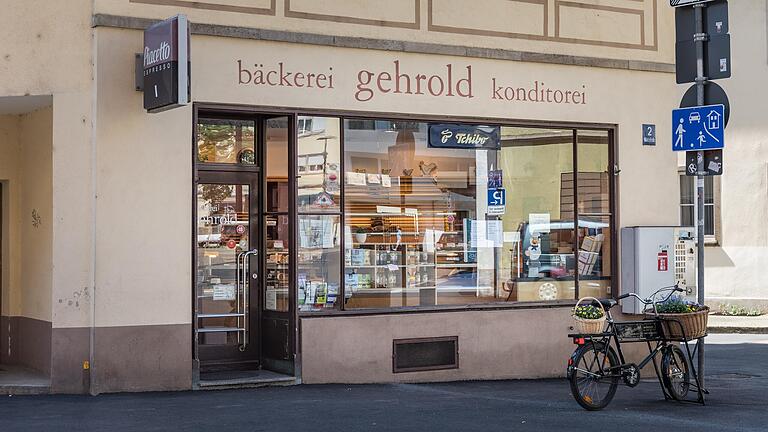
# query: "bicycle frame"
{"points": [[612, 335], [648, 331]]}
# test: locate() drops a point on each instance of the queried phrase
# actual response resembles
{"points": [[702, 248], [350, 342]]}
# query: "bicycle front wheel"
{"points": [[592, 377], [674, 372]]}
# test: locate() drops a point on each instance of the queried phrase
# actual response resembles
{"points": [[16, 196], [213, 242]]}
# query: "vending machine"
{"points": [[656, 257]]}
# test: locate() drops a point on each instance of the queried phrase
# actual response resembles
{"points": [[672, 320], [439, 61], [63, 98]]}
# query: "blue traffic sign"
{"points": [[698, 128], [497, 201], [497, 197]]}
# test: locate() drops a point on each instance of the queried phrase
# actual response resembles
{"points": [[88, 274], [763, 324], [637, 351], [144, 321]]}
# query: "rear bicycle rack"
{"points": [[691, 355]]}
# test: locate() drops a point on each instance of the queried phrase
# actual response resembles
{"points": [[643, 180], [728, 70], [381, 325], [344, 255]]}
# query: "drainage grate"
{"points": [[413, 355]]}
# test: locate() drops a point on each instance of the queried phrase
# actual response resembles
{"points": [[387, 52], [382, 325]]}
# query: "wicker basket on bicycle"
{"points": [[694, 324], [589, 326]]}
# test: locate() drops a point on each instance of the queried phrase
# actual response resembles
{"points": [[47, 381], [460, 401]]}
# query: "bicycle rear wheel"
{"points": [[674, 372], [593, 383]]}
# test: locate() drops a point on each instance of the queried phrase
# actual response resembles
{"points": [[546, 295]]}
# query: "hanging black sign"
{"points": [[166, 64], [717, 47], [712, 163], [448, 135]]}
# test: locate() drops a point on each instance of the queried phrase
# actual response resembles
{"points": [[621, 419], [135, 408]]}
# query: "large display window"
{"points": [[412, 223], [398, 213]]}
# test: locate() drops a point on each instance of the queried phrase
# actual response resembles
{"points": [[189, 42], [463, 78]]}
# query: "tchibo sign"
{"points": [[166, 64]]}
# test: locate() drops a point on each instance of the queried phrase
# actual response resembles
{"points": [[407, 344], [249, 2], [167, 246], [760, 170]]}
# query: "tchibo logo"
{"points": [[445, 135], [159, 55]]}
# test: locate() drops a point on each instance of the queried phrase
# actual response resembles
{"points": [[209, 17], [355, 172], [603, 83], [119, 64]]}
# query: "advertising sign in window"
{"points": [[464, 136]]}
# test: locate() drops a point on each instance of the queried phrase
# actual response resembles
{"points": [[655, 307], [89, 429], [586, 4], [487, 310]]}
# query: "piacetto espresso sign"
{"points": [[166, 64]]}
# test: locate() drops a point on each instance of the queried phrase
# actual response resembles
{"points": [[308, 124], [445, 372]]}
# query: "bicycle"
{"points": [[595, 368]]}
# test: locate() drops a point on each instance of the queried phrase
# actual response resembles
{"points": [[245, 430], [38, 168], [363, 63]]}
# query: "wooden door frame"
{"points": [[290, 315], [257, 215]]}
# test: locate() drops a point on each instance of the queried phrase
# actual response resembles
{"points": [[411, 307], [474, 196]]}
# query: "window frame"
{"points": [[714, 239], [229, 110], [575, 129], [297, 214]]}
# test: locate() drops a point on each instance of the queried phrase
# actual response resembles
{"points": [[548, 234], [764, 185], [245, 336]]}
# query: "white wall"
{"points": [[25, 170], [9, 161], [47, 50], [36, 208], [736, 269], [144, 204]]}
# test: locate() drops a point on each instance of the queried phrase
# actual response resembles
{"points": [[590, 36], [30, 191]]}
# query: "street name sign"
{"points": [[698, 128], [678, 3]]}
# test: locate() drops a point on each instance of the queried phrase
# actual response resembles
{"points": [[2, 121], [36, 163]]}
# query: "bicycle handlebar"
{"points": [[649, 301]]}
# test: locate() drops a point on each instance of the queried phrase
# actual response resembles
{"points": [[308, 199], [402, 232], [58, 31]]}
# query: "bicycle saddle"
{"points": [[607, 303]]}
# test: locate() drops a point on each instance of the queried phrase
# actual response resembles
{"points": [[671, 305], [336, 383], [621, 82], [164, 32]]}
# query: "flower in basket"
{"points": [[683, 320], [587, 312], [678, 305]]}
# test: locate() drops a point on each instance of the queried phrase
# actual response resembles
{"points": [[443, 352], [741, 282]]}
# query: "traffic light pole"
{"points": [[701, 80]]}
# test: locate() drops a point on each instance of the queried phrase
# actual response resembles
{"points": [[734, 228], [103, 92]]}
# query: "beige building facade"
{"points": [[296, 223]]}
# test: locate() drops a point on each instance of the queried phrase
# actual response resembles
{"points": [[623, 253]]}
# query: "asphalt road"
{"points": [[737, 379]]}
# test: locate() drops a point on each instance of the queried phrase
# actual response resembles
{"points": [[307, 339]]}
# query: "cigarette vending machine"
{"points": [[656, 257]]}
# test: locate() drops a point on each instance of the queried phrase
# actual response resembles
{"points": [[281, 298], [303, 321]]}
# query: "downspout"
{"points": [[92, 387]]}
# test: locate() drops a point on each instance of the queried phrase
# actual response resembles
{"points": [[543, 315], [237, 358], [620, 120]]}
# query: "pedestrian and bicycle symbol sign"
{"points": [[698, 128]]}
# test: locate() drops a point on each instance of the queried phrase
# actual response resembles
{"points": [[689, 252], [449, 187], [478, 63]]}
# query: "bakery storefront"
{"points": [[353, 214], [351, 194], [339, 245]]}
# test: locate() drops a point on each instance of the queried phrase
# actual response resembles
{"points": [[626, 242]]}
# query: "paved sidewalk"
{"points": [[738, 324], [737, 378]]}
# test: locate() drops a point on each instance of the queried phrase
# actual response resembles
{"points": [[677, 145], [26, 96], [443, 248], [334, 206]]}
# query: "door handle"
{"points": [[245, 269]]}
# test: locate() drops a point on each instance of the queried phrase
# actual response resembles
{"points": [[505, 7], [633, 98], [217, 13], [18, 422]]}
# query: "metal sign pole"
{"points": [[699, 38]]}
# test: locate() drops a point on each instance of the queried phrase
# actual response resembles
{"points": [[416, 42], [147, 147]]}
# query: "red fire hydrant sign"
{"points": [[662, 261]]}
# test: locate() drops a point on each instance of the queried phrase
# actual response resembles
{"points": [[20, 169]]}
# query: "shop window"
{"points": [[318, 168], [226, 141], [538, 260], [415, 225], [688, 205], [319, 165], [275, 218], [276, 164], [319, 262], [594, 214], [416, 229]]}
